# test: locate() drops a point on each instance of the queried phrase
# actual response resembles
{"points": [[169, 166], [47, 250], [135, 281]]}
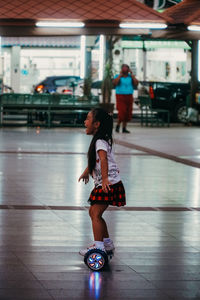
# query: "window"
{"points": [[61, 82]]}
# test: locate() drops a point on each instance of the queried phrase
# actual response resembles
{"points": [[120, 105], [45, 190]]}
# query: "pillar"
{"points": [[1, 69], [194, 71], [88, 63], [144, 62], [90, 44], [108, 49], [15, 69]]}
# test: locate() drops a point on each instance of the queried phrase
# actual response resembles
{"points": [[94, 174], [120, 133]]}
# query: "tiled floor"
{"points": [[180, 141], [44, 221]]}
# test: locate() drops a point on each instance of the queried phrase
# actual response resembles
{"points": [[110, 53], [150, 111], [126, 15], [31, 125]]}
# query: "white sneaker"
{"points": [[94, 246], [109, 246]]}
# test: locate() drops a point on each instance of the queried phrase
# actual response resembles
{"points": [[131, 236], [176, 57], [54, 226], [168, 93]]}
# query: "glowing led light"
{"points": [[193, 28], [143, 25], [83, 47], [101, 56], [60, 24]]}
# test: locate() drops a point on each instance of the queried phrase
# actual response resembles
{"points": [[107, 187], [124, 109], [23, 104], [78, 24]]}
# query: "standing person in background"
{"points": [[124, 84]]}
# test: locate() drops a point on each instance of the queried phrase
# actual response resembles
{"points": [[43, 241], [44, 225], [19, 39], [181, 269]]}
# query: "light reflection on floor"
{"points": [[95, 281]]}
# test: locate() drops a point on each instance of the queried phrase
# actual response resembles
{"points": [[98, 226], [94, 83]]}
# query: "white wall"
{"points": [[177, 61], [38, 63]]}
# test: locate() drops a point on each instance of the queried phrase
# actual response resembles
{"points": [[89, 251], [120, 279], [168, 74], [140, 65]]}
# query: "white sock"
{"points": [[99, 244], [107, 240]]}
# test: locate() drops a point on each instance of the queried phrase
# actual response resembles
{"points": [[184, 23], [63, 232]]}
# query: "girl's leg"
{"points": [[99, 226]]}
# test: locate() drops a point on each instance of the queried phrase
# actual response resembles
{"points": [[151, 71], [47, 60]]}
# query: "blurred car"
{"points": [[73, 89], [59, 84], [168, 95]]}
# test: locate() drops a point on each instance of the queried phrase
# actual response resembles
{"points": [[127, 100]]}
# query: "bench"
{"points": [[150, 115], [45, 109]]}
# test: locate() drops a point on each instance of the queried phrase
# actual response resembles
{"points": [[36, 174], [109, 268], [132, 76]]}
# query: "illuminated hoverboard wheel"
{"points": [[96, 259]]}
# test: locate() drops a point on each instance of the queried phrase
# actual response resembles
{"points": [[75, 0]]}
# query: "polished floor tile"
{"points": [[44, 221]]}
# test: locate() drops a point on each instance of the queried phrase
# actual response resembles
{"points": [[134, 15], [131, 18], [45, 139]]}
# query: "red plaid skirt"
{"points": [[116, 196]]}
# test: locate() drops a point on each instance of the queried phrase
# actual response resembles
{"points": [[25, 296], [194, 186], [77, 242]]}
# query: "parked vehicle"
{"points": [[74, 88], [61, 84], [168, 95]]}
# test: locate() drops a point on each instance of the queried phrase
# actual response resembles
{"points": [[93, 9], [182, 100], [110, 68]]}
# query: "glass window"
{"points": [[60, 82], [66, 81]]}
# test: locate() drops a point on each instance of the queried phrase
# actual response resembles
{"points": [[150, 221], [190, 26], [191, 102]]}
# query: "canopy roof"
{"points": [[99, 16], [186, 12], [183, 14], [79, 10]]}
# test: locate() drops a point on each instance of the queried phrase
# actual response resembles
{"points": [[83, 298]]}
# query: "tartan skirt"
{"points": [[116, 196]]}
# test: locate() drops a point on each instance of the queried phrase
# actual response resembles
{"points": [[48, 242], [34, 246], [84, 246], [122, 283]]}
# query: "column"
{"points": [[15, 68], [194, 71], [1, 68], [144, 50], [88, 62]]}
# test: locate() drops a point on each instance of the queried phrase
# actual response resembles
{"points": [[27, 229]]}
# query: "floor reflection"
{"points": [[95, 285], [45, 223]]}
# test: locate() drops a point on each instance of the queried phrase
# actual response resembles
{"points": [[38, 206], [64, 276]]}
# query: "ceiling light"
{"points": [[60, 24], [143, 25], [193, 28]]}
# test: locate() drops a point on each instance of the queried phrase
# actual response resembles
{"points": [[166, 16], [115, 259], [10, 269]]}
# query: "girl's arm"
{"points": [[85, 176], [104, 170]]}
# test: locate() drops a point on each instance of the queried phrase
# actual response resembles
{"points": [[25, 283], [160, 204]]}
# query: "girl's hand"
{"points": [[84, 177], [106, 185]]}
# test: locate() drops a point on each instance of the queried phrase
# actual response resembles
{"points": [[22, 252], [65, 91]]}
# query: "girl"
{"points": [[109, 189]]}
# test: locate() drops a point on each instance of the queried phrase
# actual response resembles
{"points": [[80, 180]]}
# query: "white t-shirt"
{"points": [[113, 170]]}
